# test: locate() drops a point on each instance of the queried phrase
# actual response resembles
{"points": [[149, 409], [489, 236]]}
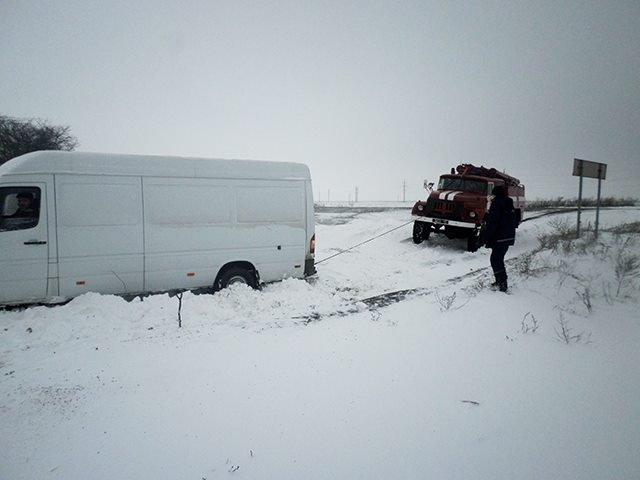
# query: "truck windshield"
{"points": [[462, 184]]}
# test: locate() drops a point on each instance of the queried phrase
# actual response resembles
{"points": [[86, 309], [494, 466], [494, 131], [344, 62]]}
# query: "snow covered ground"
{"points": [[315, 380]]}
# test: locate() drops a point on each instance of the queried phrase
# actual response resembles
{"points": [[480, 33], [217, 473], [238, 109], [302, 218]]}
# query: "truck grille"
{"points": [[444, 209], [442, 206]]}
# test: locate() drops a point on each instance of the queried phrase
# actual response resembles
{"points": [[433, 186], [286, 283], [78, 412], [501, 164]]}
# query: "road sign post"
{"points": [[585, 168]]}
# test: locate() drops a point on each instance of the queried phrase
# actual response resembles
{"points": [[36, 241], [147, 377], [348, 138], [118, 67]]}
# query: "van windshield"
{"points": [[462, 184], [19, 208]]}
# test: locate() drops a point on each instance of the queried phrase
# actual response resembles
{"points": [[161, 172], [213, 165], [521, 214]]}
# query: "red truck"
{"points": [[459, 204]]}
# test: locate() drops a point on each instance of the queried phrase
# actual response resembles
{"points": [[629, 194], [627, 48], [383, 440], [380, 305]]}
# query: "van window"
{"points": [[19, 208], [98, 204], [188, 203], [270, 204]]}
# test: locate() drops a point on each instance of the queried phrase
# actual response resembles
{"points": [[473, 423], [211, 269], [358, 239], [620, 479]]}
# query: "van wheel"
{"points": [[236, 275]]}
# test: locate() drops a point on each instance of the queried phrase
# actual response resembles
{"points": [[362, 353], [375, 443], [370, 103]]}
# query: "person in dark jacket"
{"points": [[500, 233]]}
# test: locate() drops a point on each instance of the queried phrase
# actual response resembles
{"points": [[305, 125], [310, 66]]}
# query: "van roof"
{"points": [[61, 162]]}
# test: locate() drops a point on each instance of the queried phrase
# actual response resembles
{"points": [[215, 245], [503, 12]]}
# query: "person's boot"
{"points": [[502, 286]]}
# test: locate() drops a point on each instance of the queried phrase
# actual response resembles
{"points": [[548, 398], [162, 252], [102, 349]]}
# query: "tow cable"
{"points": [[362, 243], [411, 221]]}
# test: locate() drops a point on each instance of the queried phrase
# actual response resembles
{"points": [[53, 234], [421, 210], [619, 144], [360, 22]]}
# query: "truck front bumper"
{"points": [[444, 221]]}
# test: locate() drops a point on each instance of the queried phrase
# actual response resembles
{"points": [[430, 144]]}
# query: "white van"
{"points": [[74, 222]]}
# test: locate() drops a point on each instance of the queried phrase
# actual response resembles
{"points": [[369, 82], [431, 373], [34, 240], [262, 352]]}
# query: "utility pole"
{"points": [[356, 194], [404, 191]]}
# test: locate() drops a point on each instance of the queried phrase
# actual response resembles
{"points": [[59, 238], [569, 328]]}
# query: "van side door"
{"points": [[24, 242], [100, 237]]}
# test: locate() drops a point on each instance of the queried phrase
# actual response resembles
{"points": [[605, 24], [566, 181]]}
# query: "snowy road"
{"points": [[307, 380]]}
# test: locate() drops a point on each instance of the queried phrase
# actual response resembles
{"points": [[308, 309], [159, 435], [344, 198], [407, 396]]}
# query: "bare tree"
{"points": [[18, 137]]}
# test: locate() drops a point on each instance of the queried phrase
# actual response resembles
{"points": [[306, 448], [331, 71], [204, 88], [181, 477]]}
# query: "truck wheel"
{"points": [[418, 230], [236, 275], [450, 233], [426, 231], [473, 243]]}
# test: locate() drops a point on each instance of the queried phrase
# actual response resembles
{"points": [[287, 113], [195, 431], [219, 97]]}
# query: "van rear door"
{"points": [[24, 245]]}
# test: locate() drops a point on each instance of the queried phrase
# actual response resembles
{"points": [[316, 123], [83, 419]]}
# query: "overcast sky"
{"points": [[370, 94]]}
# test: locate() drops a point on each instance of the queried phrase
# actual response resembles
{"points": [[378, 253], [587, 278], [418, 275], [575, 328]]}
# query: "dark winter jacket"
{"points": [[500, 228]]}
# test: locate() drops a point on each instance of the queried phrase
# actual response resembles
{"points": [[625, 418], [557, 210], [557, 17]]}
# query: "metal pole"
{"points": [[598, 201], [579, 202]]}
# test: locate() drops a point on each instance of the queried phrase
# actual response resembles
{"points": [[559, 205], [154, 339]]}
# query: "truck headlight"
{"points": [[472, 214]]}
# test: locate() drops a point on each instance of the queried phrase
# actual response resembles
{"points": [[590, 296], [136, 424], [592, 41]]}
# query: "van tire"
{"points": [[236, 275]]}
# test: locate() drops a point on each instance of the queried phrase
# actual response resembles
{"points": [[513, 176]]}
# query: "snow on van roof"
{"points": [[58, 162]]}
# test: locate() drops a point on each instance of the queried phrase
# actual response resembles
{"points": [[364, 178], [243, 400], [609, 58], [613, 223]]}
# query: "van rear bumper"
{"points": [[309, 267]]}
